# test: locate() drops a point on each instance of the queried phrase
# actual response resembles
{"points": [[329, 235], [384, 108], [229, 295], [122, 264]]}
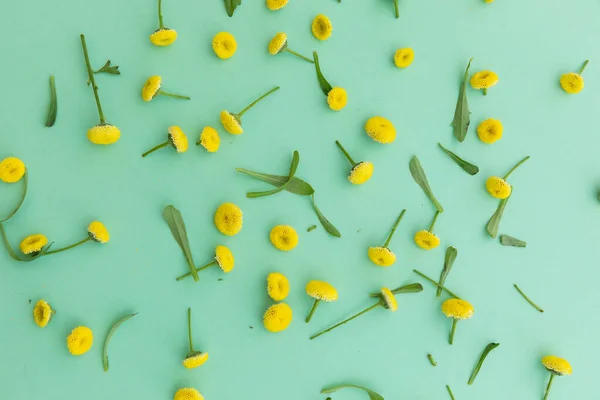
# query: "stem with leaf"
{"points": [[177, 226], [292, 172], [418, 174], [366, 310], [323, 83], [92, 80]]}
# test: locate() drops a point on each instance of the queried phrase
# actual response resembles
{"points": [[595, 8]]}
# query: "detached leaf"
{"points": [[462, 115], [108, 69], [109, 337], [451, 254], [325, 86], [293, 168], [410, 288], [20, 203], [53, 104], [177, 226], [485, 353], [506, 240], [325, 222], [465, 165], [372, 395], [296, 186], [494, 222], [231, 5], [419, 176]]}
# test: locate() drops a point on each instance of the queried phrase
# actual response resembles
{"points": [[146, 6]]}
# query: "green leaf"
{"points": [[107, 69], [494, 222], [419, 176], [293, 168], [465, 165], [506, 240], [20, 203], [482, 357], [231, 5], [296, 186], [177, 226], [53, 104], [325, 86], [451, 254], [372, 395], [410, 288], [462, 115], [109, 337], [325, 222]]}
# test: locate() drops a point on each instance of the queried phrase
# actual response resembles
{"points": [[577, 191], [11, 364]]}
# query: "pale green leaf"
{"points": [[325, 86], [372, 395], [109, 337], [177, 226], [494, 222], [462, 115], [293, 169], [482, 358], [469, 168], [325, 222], [419, 176], [451, 254], [506, 240], [296, 186]]}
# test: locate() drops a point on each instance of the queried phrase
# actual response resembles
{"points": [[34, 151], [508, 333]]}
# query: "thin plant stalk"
{"points": [[435, 217], [389, 238], [152, 150], [422, 275], [366, 310], [299, 55], [249, 106], [585, 64], [528, 299], [312, 310], [515, 167], [92, 80], [213, 262], [87, 239], [350, 159], [549, 386], [453, 330], [160, 16], [190, 330]]}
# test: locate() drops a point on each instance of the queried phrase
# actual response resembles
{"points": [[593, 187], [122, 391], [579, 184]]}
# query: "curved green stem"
{"points": [[435, 217], [515, 167], [213, 262], [298, 55], [528, 299], [396, 8], [350, 160], [422, 275], [312, 310], [92, 80], [177, 96], [389, 238], [450, 392], [453, 330], [549, 386], [249, 106], [9, 248], [23, 194], [152, 150], [190, 329], [366, 310], [583, 67], [87, 239], [160, 17]]}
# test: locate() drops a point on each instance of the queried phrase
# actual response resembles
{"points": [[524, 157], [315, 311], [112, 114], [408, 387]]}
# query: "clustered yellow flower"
{"points": [[163, 37], [153, 88], [337, 98], [321, 27], [275, 5], [194, 360], [457, 309], [380, 130], [361, 172], [224, 45], [284, 237], [557, 367], [188, 394], [98, 232], [80, 340], [224, 258], [426, 239], [389, 299], [483, 80], [498, 187], [277, 317], [12, 170], [320, 291], [104, 134], [209, 139], [490, 131], [404, 57], [278, 286], [178, 139], [42, 313], [33, 244], [572, 82], [382, 255], [229, 219]]}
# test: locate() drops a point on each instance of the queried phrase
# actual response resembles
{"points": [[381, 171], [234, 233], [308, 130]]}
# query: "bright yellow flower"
{"points": [[382, 256], [498, 187], [321, 27], [572, 83], [337, 98], [80, 340], [277, 317], [33, 244], [104, 134], [229, 219], [224, 258], [557, 365], [490, 131], [278, 43], [278, 286], [484, 80], [457, 309], [380, 130], [209, 139], [489, 1], [320, 290], [404, 57], [42, 313], [389, 299], [275, 5], [188, 394], [178, 139], [284, 237], [163, 37], [224, 45], [231, 123], [98, 232], [11, 170], [195, 359], [361, 173], [151, 88], [427, 240]]}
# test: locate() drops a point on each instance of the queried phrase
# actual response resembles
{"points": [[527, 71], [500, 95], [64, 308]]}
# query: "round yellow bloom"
{"points": [[489, 1], [490, 131], [103, 134], [188, 394], [320, 290], [33, 244], [42, 313], [277, 317], [557, 365], [278, 43], [427, 240], [224, 45], [163, 37], [231, 123], [380, 130], [484, 80], [389, 299], [195, 359], [404, 57], [321, 27], [178, 139], [275, 5], [224, 258], [11, 170], [278, 286], [80, 340], [361, 173], [98, 232], [572, 83], [209, 139], [229, 219], [457, 309], [284, 237], [382, 256], [498, 187], [337, 98], [151, 88]]}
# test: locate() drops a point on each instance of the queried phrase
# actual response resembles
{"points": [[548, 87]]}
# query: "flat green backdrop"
{"points": [[529, 44]]}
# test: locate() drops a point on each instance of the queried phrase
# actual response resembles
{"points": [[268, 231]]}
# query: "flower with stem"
{"points": [[223, 258], [12, 170], [278, 286], [557, 367], [42, 313], [426, 239], [498, 187], [321, 27], [97, 232], [33, 245], [232, 122], [175, 138], [279, 44], [483, 80], [572, 82], [224, 45], [194, 359], [162, 36], [277, 317], [382, 255], [320, 291], [152, 88], [336, 96], [456, 309], [361, 171], [209, 139], [102, 133]]}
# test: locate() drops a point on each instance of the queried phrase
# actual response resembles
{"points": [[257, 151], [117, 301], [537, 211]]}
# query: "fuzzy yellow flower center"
{"points": [[284, 237], [275, 5], [33, 244], [337, 98], [389, 299], [231, 123], [361, 173], [209, 139], [80, 340], [194, 360], [484, 80], [104, 134], [278, 43], [457, 309], [224, 45], [229, 219], [188, 394], [380, 130], [163, 37], [151, 88], [278, 286], [426, 240], [572, 83], [98, 232], [321, 27], [490, 130], [498, 187], [277, 317], [42, 313], [321, 290], [224, 258], [178, 139], [557, 365], [404, 57], [381, 256], [11, 170]]}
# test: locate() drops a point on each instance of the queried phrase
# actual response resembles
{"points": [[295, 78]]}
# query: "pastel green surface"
{"points": [[72, 182]]}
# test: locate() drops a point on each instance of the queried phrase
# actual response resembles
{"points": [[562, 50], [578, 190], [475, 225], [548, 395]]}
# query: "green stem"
{"points": [[396, 8], [431, 360], [484, 90], [453, 330], [152, 150], [528, 299], [312, 310], [299, 55], [213, 262], [23, 195], [515, 167], [389, 238], [92, 80], [160, 17], [177, 96], [435, 217], [249, 106], [436, 284], [450, 392], [190, 329], [9, 248], [549, 386], [583, 67], [87, 239], [366, 310], [350, 160]]}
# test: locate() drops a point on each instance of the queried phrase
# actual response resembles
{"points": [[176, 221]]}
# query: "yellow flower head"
{"points": [[11, 170], [557, 365], [188, 394], [80, 340], [572, 83], [224, 258], [275, 5], [33, 244], [151, 87], [337, 98], [178, 139], [229, 219], [98, 232], [484, 80], [389, 299], [490, 131], [209, 139], [457, 309], [284, 237], [224, 45], [42, 313], [278, 43], [277, 317], [498, 187], [321, 27], [278, 286], [380, 130], [231, 123], [489, 1], [382, 256], [163, 37], [404, 57], [320, 290], [195, 359], [361, 173], [427, 240], [103, 134]]}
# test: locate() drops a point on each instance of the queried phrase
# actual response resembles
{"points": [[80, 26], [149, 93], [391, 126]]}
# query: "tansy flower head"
{"points": [[389, 299], [490, 131], [337, 98], [278, 43], [498, 187], [209, 139], [33, 244], [104, 134], [278, 286], [381, 256], [277, 317], [228, 219], [404, 57], [361, 173], [320, 290], [231, 123], [224, 258], [163, 37], [42, 313], [11, 170], [380, 130], [224, 45], [178, 139], [572, 82], [427, 240], [80, 340], [98, 232], [284, 237], [151, 87], [321, 27], [457, 309], [275, 5], [188, 394], [195, 359], [484, 80], [557, 365]]}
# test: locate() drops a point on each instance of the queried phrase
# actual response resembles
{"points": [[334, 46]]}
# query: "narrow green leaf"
{"points": [[108, 69], [296, 186], [419, 176], [20, 203], [462, 115], [177, 226], [53, 104], [109, 337], [494, 222], [410, 288], [372, 395], [325, 86], [293, 169], [451, 254], [324, 221], [311, 228], [469, 168], [231, 5], [506, 240], [485, 353]]}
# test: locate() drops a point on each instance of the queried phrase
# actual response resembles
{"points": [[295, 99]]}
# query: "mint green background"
{"points": [[529, 44]]}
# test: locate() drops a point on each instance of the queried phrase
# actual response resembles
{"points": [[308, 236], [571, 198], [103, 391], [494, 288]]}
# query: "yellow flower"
{"points": [[209, 139], [337, 98], [224, 258], [489, 1], [103, 134], [389, 299], [275, 5], [178, 139], [320, 290], [188, 394], [151, 87], [163, 37], [80, 340], [490, 131], [380, 130], [404, 57], [11, 170], [382, 256], [229, 219], [277, 317], [278, 286], [361, 173], [33, 244], [484, 80], [321, 27], [498, 187], [427, 240], [98, 232], [224, 45], [284, 237], [231, 123], [457, 309], [42, 313], [572, 83], [195, 359], [278, 43], [557, 365]]}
